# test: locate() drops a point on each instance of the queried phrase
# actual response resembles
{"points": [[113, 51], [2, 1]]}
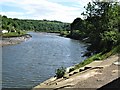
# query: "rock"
{"points": [[70, 74], [87, 68], [66, 76], [75, 72], [81, 69], [117, 63], [69, 69]]}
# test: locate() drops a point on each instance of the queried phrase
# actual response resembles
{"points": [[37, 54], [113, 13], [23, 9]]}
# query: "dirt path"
{"points": [[100, 74]]}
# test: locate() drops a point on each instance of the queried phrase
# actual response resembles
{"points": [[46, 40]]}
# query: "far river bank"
{"points": [[14, 40]]}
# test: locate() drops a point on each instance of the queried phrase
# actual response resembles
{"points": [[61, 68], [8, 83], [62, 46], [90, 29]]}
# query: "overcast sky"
{"points": [[61, 10]]}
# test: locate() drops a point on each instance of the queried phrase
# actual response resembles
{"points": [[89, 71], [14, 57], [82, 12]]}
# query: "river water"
{"points": [[35, 60]]}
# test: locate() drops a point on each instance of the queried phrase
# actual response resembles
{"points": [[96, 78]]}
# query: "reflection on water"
{"points": [[31, 62]]}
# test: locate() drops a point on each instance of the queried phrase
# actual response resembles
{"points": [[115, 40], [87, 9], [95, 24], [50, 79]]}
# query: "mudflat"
{"points": [[13, 40]]}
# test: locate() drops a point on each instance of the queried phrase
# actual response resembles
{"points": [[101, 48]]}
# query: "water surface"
{"points": [[35, 60]]}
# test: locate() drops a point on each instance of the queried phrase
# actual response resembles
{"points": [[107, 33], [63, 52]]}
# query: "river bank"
{"points": [[96, 75], [14, 40]]}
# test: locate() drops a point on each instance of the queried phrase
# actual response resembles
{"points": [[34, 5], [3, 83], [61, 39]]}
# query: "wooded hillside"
{"points": [[34, 25]]}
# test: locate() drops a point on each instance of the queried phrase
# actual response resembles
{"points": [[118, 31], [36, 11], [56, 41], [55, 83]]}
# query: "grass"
{"points": [[87, 61], [14, 34], [98, 56]]}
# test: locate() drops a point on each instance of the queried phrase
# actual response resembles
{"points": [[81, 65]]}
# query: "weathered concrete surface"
{"points": [[100, 73]]}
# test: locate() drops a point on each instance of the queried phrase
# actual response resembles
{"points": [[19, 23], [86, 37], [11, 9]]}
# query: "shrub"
{"points": [[60, 72], [71, 69]]}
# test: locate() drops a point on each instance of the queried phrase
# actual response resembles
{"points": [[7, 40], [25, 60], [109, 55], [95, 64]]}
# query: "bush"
{"points": [[60, 72], [64, 33], [71, 69]]}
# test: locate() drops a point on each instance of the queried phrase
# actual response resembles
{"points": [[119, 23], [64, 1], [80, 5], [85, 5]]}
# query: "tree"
{"points": [[102, 18], [77, 24]]}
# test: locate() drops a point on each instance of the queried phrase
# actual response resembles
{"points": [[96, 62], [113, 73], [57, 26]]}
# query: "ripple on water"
{"points": [[31, 62]]}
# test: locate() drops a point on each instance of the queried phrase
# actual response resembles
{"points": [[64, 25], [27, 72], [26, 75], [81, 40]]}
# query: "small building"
{"points": [[4, 31]]}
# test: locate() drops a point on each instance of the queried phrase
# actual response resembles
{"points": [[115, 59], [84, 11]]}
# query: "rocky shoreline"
{"points": [[14, 40]]}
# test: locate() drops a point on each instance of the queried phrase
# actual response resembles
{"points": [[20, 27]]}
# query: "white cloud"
{"points": [[46, 9], [13, 14]]}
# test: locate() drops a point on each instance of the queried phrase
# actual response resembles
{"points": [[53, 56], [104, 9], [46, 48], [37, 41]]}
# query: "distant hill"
{"points": [[33, 25]]}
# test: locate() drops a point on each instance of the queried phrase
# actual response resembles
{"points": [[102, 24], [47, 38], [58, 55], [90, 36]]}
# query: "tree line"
{"points": [[33, 25]]}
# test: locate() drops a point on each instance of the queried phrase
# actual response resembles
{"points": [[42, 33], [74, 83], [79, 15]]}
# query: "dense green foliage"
{"points": [[101, 26], [60, 72], [33, 25]]}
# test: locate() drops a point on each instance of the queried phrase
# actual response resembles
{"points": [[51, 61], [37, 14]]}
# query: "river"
{"points": [[27, 64]]}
